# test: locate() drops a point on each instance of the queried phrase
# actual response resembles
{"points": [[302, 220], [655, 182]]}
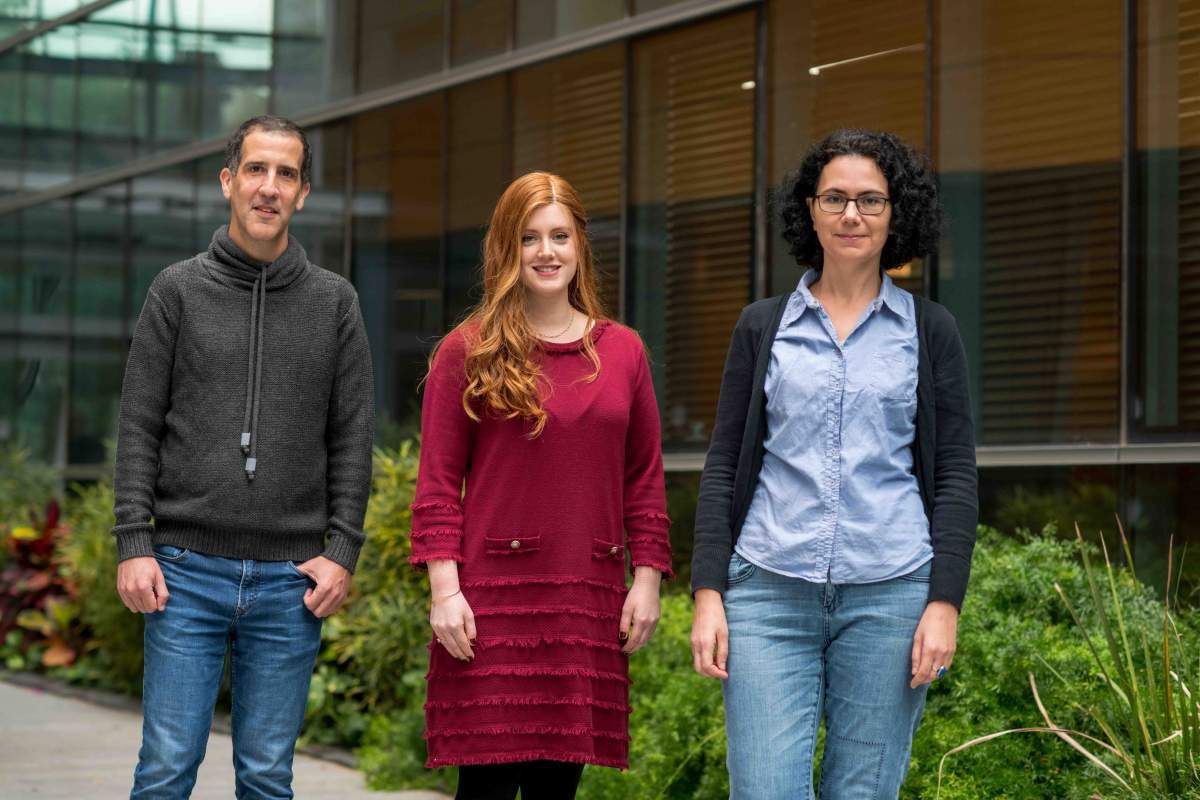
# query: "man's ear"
{"points": [[304, 190], [226, 182]]}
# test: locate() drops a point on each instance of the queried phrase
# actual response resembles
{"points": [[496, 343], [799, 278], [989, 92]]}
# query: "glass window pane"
{"points": [[212, 209], [320, 227], [313, 56], [642, 6], [237, 15], [398, 256], [567, 120], [1164, 502], [398, 41], [1015, 498], [163, 228], [99, 331], [18, 15], [1030, 161], [48, 113], [691, 212], [41, 385], [10, 296], [11, 161], [237, 80], [540, 20], [1167, 392], [109, 55], [170, 92], [870, 73], [480, 28], [479, 169]]}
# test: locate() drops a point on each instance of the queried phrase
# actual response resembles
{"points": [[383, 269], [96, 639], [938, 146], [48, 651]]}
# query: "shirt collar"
{"points": [[890, 295]]}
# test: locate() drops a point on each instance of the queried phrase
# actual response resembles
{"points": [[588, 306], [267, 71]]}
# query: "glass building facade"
{"points": [[1066, 138]]}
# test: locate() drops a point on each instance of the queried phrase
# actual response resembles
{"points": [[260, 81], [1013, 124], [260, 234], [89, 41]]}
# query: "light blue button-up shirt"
{"points": [[836, 497]]}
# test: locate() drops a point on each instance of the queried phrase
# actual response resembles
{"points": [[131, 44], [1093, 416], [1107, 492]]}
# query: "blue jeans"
{"points": [[800, 652], [256, 609]]}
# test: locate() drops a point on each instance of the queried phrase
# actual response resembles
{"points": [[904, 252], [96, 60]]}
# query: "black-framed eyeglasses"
{"points": [[869, 204]]}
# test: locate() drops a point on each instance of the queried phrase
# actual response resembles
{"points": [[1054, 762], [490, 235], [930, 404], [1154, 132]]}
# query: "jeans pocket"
{"points": [[739, 570], [170, 553], [920, 574]]}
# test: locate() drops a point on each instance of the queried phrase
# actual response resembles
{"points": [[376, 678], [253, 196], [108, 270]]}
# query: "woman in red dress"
{"points": [[540, 467]]}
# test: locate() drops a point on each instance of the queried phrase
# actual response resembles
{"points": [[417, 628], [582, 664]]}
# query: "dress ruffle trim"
{"points": [[490, 642], [431, 533], [534, 729], [554, 580], [509, 757], [524, 700], [649, 516], [531, 671], [541, 610], [429, 505]]}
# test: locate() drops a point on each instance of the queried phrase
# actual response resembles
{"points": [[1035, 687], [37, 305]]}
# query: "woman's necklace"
{"points": [[570, 322]]}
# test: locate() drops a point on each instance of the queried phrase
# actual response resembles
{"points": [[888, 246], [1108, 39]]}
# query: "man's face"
{"points": [[266, 190]]}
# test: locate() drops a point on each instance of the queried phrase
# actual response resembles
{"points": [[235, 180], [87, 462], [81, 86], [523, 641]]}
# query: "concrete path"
{"points": [[69, 749]]}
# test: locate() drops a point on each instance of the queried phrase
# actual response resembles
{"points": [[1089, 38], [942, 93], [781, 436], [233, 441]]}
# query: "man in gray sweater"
{"points": [[242, 474]]}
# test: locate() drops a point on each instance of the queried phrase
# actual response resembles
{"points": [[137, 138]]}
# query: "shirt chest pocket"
{"points": [[886, 374]]}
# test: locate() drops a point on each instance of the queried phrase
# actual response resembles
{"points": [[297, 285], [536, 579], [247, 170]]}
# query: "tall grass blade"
{"points": [[1105, 768]]}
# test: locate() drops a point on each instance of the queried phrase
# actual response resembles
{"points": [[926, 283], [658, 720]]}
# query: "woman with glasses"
{"points": [[837, 507]]}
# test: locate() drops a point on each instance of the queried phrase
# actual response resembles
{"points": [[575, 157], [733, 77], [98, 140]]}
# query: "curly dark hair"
{"points": [[916, 210]]}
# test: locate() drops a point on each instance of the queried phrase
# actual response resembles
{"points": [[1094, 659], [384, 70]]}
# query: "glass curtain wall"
{"points": [[828, 70], [1030, 159], [1167, 394], [691, 210], [1018, 103]]}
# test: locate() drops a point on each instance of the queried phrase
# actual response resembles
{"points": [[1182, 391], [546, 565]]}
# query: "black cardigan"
{"points": [[943, 448]]}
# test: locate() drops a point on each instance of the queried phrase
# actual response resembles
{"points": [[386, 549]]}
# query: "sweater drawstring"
{"points": [[258, 311]]}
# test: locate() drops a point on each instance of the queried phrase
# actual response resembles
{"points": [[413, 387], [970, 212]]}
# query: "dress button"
{"points": [[612, 551], [515, 544]]}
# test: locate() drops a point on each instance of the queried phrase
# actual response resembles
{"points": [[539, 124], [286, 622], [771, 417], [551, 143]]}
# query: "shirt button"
{"points": [[612, 551], [515, 544]]}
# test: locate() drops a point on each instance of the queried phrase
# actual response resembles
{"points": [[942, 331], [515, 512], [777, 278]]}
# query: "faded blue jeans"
{"points": [[256, 608], [800, 652]]}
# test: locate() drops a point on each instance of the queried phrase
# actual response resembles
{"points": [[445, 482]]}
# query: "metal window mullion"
{"points": [[760, 280], [929, 276], [1128, 254], [622, 309]]}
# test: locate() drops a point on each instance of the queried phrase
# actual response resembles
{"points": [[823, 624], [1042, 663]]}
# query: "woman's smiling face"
{"points": [[548, 254]]}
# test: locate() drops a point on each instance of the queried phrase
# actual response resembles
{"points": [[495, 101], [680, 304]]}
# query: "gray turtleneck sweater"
{"points": [[247, 412]]}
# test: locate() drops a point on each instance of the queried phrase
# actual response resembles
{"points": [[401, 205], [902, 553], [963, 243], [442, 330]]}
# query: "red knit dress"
{"points": [[540, 537]]}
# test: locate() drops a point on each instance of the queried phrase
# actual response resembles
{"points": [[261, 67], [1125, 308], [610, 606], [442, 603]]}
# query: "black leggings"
{"points": [[537, 780]]}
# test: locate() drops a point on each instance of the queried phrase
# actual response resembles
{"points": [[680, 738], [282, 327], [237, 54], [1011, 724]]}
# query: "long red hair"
{"points": [[503, 375]]}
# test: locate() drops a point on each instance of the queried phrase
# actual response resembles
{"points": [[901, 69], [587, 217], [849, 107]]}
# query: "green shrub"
{"points": [[677, 726], [368, 689], [377, 646], [25, 486], [1015, 624], [87, 556]]}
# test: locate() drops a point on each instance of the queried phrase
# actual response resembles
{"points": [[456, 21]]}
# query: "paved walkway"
{"points": [[68, 749]]}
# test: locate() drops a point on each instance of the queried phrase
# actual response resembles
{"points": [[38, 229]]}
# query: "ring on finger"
{"points": [[939, 671]]}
